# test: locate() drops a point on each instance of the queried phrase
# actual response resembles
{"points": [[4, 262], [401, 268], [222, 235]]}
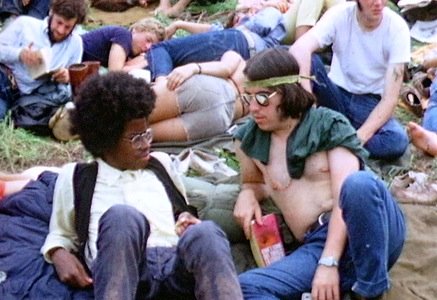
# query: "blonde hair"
{"points": [[149, 25]]}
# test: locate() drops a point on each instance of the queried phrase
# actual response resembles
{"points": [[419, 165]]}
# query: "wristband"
{"points": [[200, 69]]}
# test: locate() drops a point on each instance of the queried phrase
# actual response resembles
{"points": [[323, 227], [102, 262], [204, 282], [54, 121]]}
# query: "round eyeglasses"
{"points": [[138, 140], [262, 98]]}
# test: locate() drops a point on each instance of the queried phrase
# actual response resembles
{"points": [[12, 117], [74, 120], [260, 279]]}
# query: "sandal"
{"points": [[411, 100]]}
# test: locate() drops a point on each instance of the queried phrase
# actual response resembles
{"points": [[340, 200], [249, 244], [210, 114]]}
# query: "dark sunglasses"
{"points": [[262, 98]]}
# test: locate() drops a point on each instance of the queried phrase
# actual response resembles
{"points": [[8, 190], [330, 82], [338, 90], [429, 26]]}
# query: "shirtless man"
{"points": [[310, 162]]}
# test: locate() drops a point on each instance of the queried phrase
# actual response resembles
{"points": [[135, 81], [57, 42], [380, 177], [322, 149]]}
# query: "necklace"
{"points": [[275, 184]]}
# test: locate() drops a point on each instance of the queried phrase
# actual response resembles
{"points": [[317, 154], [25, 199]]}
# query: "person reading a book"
{"points": [[310, 162], [142, 240], [29, 44]]}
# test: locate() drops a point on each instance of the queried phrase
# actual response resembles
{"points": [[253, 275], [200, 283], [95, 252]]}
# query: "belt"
{"points": [[249, 39], [11, 78], [321, 220]]}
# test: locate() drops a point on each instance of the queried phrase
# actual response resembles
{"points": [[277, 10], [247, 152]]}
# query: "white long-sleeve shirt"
{"points": [[138, 188]]}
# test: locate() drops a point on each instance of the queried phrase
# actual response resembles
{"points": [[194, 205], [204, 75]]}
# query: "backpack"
{"points": [[84, 181]]}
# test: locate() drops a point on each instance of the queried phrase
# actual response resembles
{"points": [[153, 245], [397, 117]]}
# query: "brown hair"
{"points": [[277, 62], [70, 9], [149, 25]]}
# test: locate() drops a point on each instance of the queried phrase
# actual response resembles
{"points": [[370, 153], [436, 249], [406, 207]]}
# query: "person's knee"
{"points": [[356, 186], [203, 236], [123, 221]]}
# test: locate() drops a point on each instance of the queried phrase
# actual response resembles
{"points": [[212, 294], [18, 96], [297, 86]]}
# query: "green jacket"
{"points": [[321, 129]]}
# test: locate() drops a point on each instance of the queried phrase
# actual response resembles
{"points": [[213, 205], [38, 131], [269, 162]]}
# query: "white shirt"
{"points": [[361, 58], [25, 31], [139, 188]]}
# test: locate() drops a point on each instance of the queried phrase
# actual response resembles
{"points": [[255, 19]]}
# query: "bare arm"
{"points": [[326, 282], [191, 27], [224, 68], [302, 50], [252, 192], [385, 108], [117, 58]]}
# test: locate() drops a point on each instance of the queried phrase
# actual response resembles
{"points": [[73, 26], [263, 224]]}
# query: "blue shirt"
{"points": [[26, 30], [97, 43]]}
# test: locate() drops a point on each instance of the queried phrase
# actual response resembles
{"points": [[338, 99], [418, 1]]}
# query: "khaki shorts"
{"points": [[206, 104]]}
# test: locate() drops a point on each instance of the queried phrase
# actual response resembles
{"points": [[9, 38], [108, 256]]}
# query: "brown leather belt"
{"points": [[11, 78]]}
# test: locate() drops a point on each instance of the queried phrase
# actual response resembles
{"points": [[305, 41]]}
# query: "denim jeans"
{"points": [[376, 233], [389, 142], [430, 116], [37, 9], [202, 47], [7, 94], [201, 265]]}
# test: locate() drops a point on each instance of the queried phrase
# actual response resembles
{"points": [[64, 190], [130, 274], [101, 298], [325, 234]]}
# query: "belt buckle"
{"points": [[320, 218]]}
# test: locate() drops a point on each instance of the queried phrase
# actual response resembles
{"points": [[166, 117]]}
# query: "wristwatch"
{"points": [[328, 261]]}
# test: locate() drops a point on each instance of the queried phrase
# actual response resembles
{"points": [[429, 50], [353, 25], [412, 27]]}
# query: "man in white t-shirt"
{"points": [[370, 45]]}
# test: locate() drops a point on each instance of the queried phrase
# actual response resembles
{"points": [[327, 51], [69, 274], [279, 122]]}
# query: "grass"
{"points": [[20, 150]]}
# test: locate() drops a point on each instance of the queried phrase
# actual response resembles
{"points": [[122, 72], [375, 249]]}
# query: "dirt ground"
{"points": [[98, 17]]}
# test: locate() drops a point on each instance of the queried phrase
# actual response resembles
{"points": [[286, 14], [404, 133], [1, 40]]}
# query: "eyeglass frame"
{"points": [[139, 139], [265, 103]]}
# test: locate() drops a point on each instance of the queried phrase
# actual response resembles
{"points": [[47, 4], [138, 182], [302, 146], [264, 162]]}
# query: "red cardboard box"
{"points": [[266, 242]]}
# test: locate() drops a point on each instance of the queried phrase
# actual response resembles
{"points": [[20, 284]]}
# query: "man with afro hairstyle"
{"points": [[135, 248]]}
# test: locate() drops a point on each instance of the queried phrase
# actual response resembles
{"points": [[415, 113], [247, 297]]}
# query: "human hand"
{"points": [[246, 207], [69, 269], [61, 76], [25, 2], [171, 30], [326, 283], [30, 57], [185, 220], [180, 74]]}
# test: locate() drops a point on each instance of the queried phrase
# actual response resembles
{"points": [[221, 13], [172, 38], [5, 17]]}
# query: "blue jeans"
{"points": [[37, 8], [200, 265], [389, 142], [376, 234], [430, 117], [8, 95], [163, 57]]}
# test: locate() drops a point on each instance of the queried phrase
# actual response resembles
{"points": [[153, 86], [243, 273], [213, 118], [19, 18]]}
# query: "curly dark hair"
{"points": [[70, 9], [105, 104], [277, 62]]}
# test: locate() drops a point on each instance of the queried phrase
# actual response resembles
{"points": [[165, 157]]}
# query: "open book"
{"points": [[266, 242], [43, 71]]}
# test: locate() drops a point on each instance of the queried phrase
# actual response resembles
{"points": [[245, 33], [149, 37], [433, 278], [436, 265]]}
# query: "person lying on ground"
{"points": [[159, 248], [425, 137], [113, 46], [20, 45], [364, 86], [199, 100], [263, 30], [310, 162]]}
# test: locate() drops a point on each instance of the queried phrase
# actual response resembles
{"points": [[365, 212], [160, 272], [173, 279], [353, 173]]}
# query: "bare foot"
{"points": [[423, 139]]}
